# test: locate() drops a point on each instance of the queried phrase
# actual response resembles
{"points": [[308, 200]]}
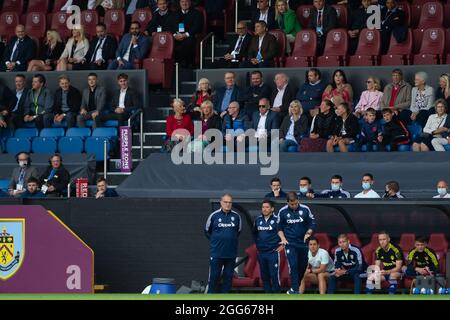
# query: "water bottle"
{"points": [[423, 291], [416, 291], [442, 291], [430, 291]]}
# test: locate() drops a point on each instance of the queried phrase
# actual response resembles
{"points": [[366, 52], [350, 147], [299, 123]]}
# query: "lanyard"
{"points": [[36, 99]]}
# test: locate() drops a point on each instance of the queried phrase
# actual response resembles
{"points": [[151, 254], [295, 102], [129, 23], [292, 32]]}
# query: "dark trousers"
{"points": [[421, 118], [298, 261], [15, 120], [81, 119], [351, 276], [269, 267], [121, 117], [44, 120], [71, 118], [94, 66], [393, 143], [185, 51], [264, 64], [215, 271]]}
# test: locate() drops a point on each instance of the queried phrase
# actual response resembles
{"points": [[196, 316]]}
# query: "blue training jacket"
{"points": [[265, 233], [295, 223], [223, 229], [354, 261]]}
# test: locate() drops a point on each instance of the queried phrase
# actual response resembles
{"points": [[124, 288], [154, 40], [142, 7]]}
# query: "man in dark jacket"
{"points": [[226, 94], [162, 20], [392, 22], [394, 132], [263, 48], [256, 91], [264, 121], [39, 103], [55, 179], [282, 95], [6, 100], [357, 22], [32, 190], [266, 14], [103, 191], [20, 50], [92, 101], [238, 47], [323, 18], [67, 102], [310, 93], [14, 116], [101, 49]]}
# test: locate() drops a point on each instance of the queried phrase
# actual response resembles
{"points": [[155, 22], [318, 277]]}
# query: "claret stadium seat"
{"points": [[342, 15], [115, 22], [280, 59], [336, 47], [368, 50], [250, 279], [304, 15], [432, 15], [8, 22], [305, 48], [143, 16], [432, 47], [59, 23], [38, 6], [407, 242], [89, 20], [398, 53], [324, 240], [160, 64], [13, 6], [35, 24]]}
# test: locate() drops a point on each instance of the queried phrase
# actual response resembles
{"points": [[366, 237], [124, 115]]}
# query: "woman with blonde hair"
{"points": [[202, 94], [287, 21], [293, 128], [208, 119], [74, 53], [50, 52], [370, 98], [443, 92]]}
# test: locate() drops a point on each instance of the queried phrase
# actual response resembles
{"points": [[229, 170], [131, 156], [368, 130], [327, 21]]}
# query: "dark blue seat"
{"points": [[95, 145], [16, 145], [26, 133], [78, 132], [44, 145], [71, 145], [52, 133]]}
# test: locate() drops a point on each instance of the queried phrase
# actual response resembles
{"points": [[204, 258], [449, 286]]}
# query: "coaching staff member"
{"points": [[222, 229]]}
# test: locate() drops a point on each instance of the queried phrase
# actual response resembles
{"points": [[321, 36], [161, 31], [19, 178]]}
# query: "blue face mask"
{"points": [[335, 186], [442, 191], [303, 189], [366, 185]]}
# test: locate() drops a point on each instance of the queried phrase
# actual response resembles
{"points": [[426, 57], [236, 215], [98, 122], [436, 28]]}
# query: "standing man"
{"points": [[267, 241], [20, 175], [222, 229], [92, 101], [296, 224]]}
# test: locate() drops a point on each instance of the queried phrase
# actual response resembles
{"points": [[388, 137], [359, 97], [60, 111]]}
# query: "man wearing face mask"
{"points": [[20, 175], [336, 189], [393, 190], [305, 188], [442, 188], [367, 183]]}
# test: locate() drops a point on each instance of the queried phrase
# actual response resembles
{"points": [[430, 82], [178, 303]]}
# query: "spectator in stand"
{"points": [[209, 120], [442, 190], [263, 48], [74, 54], [223, 96], [392, 22], [370, 130], [394, 132], [367, 185], [178, 126], [287, 21], [202, 94], [21, 174], [14, 117], [443, 92], [433, 129], [92, 102], [163, 20], [32, 189], [6, 101], [320, 267], [439, 143], [336, 190], [124, 100], [55, 179], [101, 6], [282, 95], [235, 123], [67, 102], [50, 52], [392, 190], [305, 189], [322, 128], [277, 192], [264, 121], [130, 6], [371, 98], [323, 18], [339, 90], [357, 21], [293, 128], [103, 191], [134, 45], [20, 50], [266, 14], [422, 260], [39, 103], [396, 95], [310, 93], [255, 92], [238, 47], [348, 264], [346, 129], [101, 49], [80, 3]]}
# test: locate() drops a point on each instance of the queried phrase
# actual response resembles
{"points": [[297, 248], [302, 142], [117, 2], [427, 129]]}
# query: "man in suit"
{"points": [[67, 102], [20, 50], [283, 95], [101, 49], [238, 47], [134, 45], [39, 103], [14, 117], [21, 174], [189, 22], [162, 20], [254, 93], [323, 18], [226, 94], [124, 101], [92, 101], [264, 120], [55, 179], [392, 22], [266, 14], [263, 48]]}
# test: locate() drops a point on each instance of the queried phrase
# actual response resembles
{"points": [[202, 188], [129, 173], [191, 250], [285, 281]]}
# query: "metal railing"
{"points": [[177, 79], [141, 130], [209, 35]]}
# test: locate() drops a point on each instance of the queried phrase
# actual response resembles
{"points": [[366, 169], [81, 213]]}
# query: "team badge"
{"points": [[306, 13], [115, 16], [369, 36], [162, 39], [88, 17], [12, 246], [433, 34], [62, 18], [337, 36], [9, 19], [142, 16], [305, 37], [232, 218]]}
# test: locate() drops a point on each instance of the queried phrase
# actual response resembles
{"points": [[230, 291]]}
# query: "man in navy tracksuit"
{"points": [[265, 232], [222, 229], [336, 190], [348, 263], [296, 224]]}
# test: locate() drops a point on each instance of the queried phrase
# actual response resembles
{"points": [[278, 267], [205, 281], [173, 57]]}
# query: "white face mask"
{"points": [[23, 164], [442, 191]]}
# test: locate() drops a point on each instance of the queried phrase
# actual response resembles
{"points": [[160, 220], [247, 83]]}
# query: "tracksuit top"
{"points": [[340, 194], [223, 230], [353, 261], [265, 234], [295, 223]]}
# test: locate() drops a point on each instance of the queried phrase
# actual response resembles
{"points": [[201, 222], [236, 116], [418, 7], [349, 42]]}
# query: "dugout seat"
{"points": [[250, 279], [324, 240]]}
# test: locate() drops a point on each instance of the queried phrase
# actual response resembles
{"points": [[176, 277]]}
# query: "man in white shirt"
{"points": [[442, 187], [367, 183]]}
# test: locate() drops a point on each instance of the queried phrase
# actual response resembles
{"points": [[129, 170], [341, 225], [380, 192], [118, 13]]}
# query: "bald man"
{"points": [[442, 189], [18, 52]]}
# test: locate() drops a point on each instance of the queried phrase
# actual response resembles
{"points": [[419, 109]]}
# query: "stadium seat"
{"points": [[16, 6], [58, 4], [369, 249], [414, 130], [406, 8], [447, 45], [78, 132], [304, 14], [431, 16], [292, 149], [416, 10], [304, 52], [26, 133], [432, 47], [438, 242], [8, 22], [160, 64], [143, 16], [5, 134], [115, 22], [368, 50], [105, 132], [342, 15], [249, 280], [447, 14], [398, 53], [59, 23], [335, 49], [89, 20], [95, 146], [35, 24], [324, 240], [406, 242], [16, 145], [52, 133], [44, 145], [227, 14], [4, 184], [280, 59], [202, 34], [70, 145], [38, 6]]}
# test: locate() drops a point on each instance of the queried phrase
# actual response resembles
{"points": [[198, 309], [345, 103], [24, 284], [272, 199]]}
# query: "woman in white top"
{"points": [[371, 98], [74, 54], [422, 99], [433, 129]]}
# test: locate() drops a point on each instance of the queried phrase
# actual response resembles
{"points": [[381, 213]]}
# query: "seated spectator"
{"points": [[263, 48], [238, 47], [74, 54], [322, 128], [394, 132], [392, 22], [336, 189], [102, 5], [392, 190], [277, 192], [357, 21], [310, 93], [370, 130], [134, 45], [422, 260], [67, 102], [32, 189], [14, 116], [223, 96], [439, 143], [305, 189], [443, 92], [371, 98], [348, 263], [55, 179], [264, 13], [50, 52], [103, 191], [320, 267], [20, 50], [38, 106], [234, 124], [92, 102], [124, 101], [101, 49], [346, 129], [294, 127], [6, 100], [163, 20], [396, 95], [322, 19], [433, 128], [367, 185], [264, 121], [178, 126], [339, 90], [209, 120], [21, 174], [282, 95], [287, 21], [202, 94], [255, 92], [442, 190]]}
